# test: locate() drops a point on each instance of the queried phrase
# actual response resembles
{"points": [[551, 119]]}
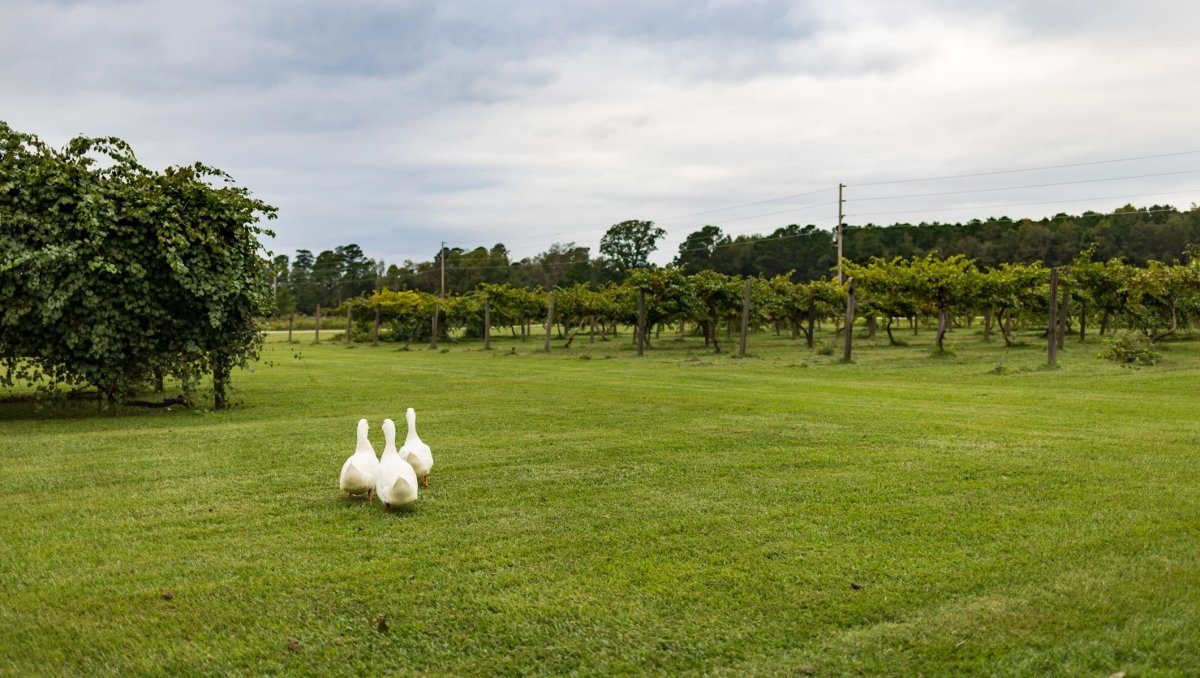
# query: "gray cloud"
{"points": [[397, 125]]}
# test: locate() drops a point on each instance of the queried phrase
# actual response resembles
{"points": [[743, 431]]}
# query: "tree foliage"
{"points": [[113, 276], [628, 244]]}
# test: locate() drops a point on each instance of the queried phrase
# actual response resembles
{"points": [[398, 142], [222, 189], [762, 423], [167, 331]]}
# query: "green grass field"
{"points": [[596, 513]]}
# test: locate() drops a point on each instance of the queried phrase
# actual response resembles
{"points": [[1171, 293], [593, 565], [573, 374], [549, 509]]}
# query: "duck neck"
{"points": [[364, 443], [412, 436]]}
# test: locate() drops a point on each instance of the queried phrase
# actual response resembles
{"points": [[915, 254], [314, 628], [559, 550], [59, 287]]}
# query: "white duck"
{"points": [[359, 471], [416, 452], [396, 483]]}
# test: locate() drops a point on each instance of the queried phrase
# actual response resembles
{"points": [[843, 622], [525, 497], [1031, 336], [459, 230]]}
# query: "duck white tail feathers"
{"points": [[398, 492], [355, 480]]}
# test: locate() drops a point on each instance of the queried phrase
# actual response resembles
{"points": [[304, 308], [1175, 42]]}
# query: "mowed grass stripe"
{"points": [[678, 513]]}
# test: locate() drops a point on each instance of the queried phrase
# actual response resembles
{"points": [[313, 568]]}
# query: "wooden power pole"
{"points": [[839, 232], [442, 256]]}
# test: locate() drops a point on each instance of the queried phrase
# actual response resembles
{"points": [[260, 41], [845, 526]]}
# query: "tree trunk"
{"points": [[715, 326], [1082, 320], [1064, 312], [872, 326], [812, 319], [888, 328], [641, 323], [220, 368], [1052, 320], [436, 313], [487, 324], [943, 328], [846, 350], [571, 337], [745, 319], [549, 322]]}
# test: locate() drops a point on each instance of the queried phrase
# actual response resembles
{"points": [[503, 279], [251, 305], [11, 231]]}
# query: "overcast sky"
{"points": [[396, 125]]}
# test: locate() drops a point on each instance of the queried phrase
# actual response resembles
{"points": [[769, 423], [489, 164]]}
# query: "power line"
{"points": [[696, 214], [1015, 188], [1025, 204], [1010, 220], [748, 204], [1026, 169]]}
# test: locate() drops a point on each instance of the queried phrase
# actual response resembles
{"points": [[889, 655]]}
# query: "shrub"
{"points": [[1131, 349]]}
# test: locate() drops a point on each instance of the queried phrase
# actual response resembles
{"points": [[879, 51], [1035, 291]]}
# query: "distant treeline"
{"points": [[1133, 235]]}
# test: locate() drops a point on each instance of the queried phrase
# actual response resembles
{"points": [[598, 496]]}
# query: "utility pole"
{"points": [[839, 231]]}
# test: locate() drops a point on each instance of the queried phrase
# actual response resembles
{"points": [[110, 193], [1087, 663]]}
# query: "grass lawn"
{"points": [[596, 513]]}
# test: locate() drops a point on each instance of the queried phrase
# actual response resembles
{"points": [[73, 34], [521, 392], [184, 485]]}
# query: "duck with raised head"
{"points": [[396, 483], [416, 452], [359, 471]]}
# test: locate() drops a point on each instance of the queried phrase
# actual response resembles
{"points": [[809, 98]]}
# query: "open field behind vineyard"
{"points": [[598, 513]]}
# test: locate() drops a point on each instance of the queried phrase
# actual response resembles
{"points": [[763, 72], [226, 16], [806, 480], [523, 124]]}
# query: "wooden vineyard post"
{"points": [[641, 322], [549, 322], [375, 328], [745, 318], [317, 338], [1052, 320], [846, 351], [1082, 320], [436, 312], [487, 324], [291, 318]]}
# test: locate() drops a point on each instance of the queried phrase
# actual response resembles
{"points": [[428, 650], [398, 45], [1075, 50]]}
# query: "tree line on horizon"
{"points": [[1134, 235]]}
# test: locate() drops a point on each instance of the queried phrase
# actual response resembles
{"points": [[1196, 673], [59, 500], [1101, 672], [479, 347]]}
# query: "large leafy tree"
{"points": [[697, 252], [628, 245], [112, 275]]}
